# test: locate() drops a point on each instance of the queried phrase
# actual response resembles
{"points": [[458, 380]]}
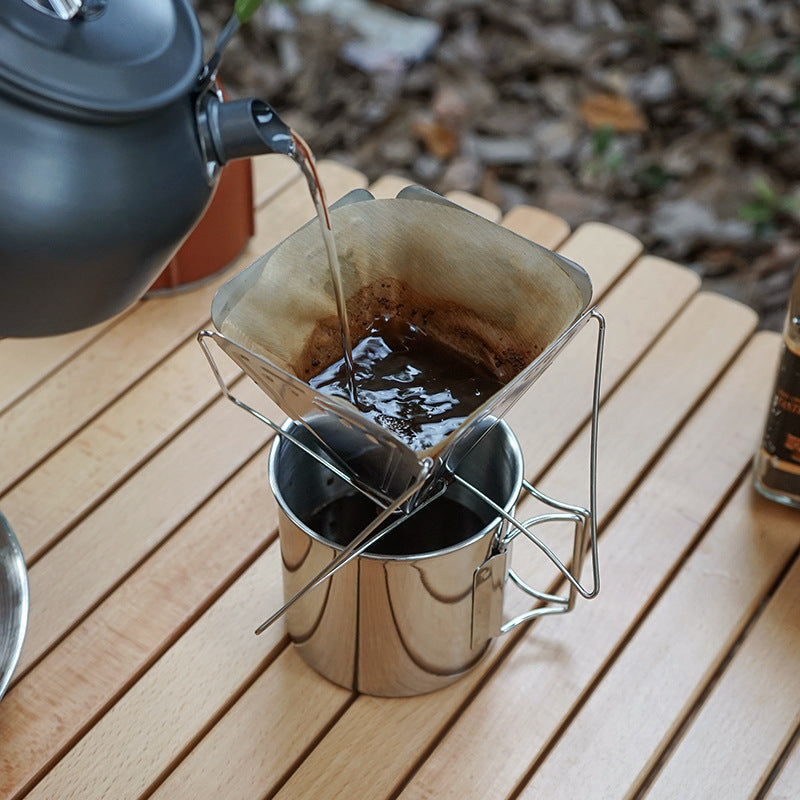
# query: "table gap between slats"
{"points": [[746, 775], [785, 776]]}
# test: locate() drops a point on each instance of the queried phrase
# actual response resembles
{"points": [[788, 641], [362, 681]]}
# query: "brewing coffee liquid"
{"points": [[409, 383], [397, 376], [442, 524]]}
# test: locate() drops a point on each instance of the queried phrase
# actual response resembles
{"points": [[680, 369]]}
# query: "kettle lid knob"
{"points": [[64, 9]]}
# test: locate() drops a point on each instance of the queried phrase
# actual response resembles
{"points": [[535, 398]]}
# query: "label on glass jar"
{"points": [[782, 433]]}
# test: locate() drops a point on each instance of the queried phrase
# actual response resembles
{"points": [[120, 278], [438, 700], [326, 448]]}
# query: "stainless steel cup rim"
{"points": [[498, 438]]}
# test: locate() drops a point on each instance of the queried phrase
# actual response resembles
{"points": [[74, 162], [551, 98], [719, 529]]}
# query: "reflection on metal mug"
{"points": [[418, 609]]}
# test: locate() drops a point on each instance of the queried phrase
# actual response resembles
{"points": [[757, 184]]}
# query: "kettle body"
{"points": [[90, 213], [112, 135]]}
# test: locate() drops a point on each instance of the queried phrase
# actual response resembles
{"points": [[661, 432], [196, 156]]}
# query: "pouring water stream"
{"points": [[270, 127], [304, 158]]}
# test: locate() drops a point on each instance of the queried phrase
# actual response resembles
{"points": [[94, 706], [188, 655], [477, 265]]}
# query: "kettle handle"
{"points": [[242, 11]]}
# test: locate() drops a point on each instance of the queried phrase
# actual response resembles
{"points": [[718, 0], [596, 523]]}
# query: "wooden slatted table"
{"points": [[140, 499]]}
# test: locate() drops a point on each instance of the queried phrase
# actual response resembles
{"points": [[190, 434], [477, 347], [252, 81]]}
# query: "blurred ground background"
{"points": [[676, 120]]}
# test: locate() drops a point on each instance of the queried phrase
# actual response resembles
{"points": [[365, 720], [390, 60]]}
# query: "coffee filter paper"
{"points": [[465, 281]]}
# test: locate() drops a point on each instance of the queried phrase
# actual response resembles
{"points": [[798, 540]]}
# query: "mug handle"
{"points": [[489, 578]]}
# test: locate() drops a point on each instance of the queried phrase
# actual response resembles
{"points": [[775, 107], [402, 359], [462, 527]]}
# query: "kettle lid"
{"points": [[109, 58]]}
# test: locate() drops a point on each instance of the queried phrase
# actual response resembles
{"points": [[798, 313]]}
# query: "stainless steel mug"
{"points": [[410, 614]]}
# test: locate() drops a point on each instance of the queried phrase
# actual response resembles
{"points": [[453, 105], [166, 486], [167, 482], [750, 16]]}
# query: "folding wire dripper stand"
{"points": [[432, 480]]}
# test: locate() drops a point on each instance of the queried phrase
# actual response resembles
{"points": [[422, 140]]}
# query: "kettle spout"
{"points": [[242, 128]]}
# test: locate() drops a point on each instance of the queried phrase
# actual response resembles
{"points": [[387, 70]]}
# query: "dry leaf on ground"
{"points": [[608, 110], [439, 140]]}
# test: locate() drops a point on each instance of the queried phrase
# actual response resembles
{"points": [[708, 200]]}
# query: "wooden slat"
{"points": [[387, 186], [754, 710], [79, 474], [78, 571], [672, 656], [477, 205], [604, 248], [637, 425], [46, 711], [272, 175], [24, 362], [535, 224], [293, 207], [786, 782], [528, 221], [174, 700]]}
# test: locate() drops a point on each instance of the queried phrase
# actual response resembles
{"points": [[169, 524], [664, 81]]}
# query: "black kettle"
{"points": [[112, 135]]}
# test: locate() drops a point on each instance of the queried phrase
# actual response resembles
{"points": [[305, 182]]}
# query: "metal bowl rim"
{"points": [[14, 619]]}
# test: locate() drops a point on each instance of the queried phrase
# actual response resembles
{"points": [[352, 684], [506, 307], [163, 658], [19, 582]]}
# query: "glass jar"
{"points": [[777, 462]]}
